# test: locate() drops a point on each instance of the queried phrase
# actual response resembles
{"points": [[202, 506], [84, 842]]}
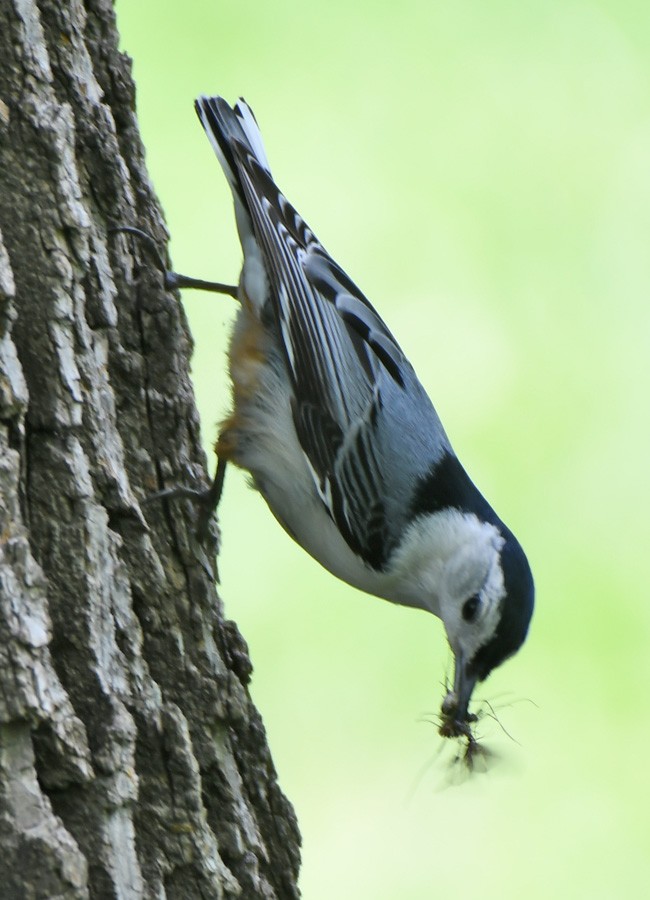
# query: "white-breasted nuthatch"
{"points": [[341, 439]]}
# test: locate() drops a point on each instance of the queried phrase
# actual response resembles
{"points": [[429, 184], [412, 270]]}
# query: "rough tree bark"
{"points": [[132, 761]]}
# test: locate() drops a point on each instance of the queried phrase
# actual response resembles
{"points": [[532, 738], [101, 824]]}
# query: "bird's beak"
{"points": [[463, 686], [455, 706]]}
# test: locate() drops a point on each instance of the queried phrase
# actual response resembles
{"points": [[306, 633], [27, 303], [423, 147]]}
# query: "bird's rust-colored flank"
{"points": [[247, 360]]}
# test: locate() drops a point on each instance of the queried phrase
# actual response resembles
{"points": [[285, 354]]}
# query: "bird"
{"points": [[341, 439]]}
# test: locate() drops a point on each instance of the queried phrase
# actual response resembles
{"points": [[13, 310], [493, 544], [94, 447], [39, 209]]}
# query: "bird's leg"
{"points": [[207, 499], [210, 499], [174, 279]]}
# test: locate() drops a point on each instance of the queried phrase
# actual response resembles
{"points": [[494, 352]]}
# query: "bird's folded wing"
{"points": [[343, 363]]}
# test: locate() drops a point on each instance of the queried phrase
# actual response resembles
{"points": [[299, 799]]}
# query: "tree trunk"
{"points": [[132, 761]]}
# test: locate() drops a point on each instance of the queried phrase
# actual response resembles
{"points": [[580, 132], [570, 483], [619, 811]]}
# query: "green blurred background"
{"points": [[482, 171]]}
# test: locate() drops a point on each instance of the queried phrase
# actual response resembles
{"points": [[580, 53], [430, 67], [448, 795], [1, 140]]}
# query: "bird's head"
{"points": [[486, 603]]}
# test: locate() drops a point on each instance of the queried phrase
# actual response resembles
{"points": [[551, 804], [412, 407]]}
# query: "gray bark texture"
{"points": [[132, 761]]}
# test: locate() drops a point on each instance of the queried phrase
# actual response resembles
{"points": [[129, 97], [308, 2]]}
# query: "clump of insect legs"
{"points": [[450, 726]]}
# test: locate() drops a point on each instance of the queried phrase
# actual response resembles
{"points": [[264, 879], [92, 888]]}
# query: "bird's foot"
{"points": [[173, 280], [206, 499]]}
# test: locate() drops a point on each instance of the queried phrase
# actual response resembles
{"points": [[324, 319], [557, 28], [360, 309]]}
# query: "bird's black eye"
{"points": [[470, 608]]}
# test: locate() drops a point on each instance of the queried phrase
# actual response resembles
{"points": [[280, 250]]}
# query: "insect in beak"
{"points": [[456, 719]]}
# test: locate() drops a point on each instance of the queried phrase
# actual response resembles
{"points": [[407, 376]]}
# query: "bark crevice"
{"points": [[132, 761]]}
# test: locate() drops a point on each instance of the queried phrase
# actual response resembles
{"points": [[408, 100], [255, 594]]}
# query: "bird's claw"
{"points": [[173, 280], [207, 499]]}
